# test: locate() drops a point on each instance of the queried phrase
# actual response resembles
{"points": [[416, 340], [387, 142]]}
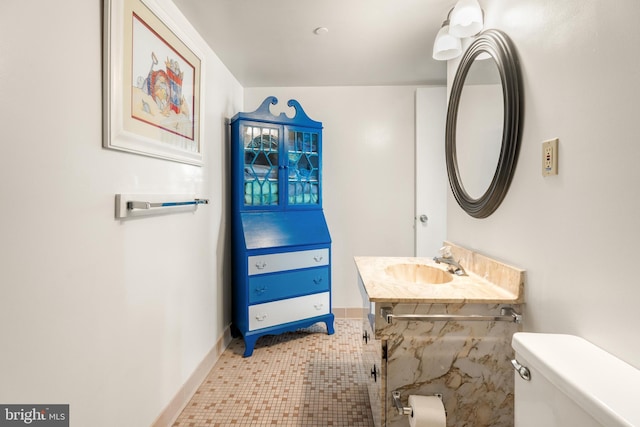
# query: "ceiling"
{"points": [[271, 43]]}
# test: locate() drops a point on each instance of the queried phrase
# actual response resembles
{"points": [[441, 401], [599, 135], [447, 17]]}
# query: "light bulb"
{"points": [[466, 19], [446, 46]]}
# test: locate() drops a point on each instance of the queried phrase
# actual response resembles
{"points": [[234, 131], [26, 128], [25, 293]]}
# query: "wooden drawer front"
{"points": [[287, 310], [271, 263], [289, 284]]}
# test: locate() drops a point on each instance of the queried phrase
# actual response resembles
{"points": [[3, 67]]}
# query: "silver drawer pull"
{"points": [[261, 317], [318, 306], [261, 265], [318, 258], [317, 280]]}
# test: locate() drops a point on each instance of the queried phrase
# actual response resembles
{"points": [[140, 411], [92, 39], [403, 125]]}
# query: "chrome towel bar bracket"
{"points": [[507, 314]]}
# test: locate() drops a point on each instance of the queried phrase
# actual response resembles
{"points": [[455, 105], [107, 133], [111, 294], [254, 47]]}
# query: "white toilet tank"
{"points": [[573, 383]]}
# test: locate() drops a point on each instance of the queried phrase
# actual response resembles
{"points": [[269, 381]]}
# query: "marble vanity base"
{"points": [[468, 362]]}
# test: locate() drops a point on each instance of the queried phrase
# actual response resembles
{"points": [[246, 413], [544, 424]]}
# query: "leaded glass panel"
{"points": [[260, 166], [303, 168]]}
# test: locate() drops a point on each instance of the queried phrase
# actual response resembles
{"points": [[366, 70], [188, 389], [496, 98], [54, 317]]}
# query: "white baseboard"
{"points": [[349, 312], [175, 407]]}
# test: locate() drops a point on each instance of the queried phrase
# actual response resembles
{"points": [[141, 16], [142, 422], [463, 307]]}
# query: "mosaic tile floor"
{"points": [[305, 378]]}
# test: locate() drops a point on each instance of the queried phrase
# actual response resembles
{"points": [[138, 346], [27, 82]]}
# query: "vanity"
{"points": [[431, 332]]}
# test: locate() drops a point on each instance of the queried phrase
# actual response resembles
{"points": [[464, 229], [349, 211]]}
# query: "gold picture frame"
{"points": [[152, 83]]}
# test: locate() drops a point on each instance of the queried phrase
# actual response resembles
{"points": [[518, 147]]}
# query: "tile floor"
{"points": [[305, 378]]}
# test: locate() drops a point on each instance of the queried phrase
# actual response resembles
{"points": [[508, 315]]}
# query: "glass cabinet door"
{"points": [[260, 145], [303, 168]]}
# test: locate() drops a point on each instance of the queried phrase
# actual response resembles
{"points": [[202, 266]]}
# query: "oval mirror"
{"points": [[484, 122]]}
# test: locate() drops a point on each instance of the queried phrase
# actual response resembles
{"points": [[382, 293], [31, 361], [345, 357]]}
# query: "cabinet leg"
{"points": [[235, 332], [249, 344], [329, 324]]}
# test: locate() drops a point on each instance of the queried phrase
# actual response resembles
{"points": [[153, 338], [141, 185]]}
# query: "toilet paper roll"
{"points": [[427, 411]]}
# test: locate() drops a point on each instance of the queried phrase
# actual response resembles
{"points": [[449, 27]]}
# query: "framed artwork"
{"points": [[152, 83]]}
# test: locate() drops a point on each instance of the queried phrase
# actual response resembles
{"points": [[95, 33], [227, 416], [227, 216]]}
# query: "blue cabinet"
{"points": [[281, 242]]}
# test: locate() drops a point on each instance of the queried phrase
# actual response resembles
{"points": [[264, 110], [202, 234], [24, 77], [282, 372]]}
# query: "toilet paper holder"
{"points": [[406, 410]]}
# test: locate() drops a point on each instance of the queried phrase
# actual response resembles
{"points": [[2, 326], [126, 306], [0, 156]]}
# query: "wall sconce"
{"points": [[464, 20], [446, 46]]}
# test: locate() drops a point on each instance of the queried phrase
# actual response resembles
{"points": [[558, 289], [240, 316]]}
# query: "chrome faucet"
{"points": [[454, 266]]}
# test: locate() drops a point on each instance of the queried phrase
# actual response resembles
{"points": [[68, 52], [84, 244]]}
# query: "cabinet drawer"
{"points": [[270, 287], [288, 310], [271, 263]]}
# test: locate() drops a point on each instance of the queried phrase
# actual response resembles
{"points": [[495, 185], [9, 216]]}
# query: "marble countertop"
{"points": [[496, 285]]}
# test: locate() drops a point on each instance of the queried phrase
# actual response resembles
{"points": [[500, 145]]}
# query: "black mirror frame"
{"points": [[499, 46]]}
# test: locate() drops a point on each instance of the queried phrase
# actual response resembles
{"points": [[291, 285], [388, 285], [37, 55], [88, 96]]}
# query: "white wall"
{"points": [[111, 317], [576, 234], [368, 171]]}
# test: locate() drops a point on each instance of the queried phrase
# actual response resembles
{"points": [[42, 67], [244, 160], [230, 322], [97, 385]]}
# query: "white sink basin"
{"points": [[418, 273]]}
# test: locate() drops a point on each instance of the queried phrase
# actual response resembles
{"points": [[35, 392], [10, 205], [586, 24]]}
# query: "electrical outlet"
{"points": [[550, 157]]}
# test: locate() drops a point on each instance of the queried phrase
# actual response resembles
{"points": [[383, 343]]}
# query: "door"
{"points": [[431, 171]]}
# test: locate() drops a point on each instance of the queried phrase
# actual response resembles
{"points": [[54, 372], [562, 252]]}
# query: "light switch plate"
{"points": [[550, 157]]}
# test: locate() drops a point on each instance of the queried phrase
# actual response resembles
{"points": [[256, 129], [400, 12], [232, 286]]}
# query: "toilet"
{"points": [[565, 381]]}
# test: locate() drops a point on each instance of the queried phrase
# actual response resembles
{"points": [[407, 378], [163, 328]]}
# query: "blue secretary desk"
{"points": [[281, 242]]}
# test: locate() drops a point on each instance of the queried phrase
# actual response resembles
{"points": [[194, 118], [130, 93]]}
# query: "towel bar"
{"points": [[135, 205], [148, 205], [507, 314]]}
